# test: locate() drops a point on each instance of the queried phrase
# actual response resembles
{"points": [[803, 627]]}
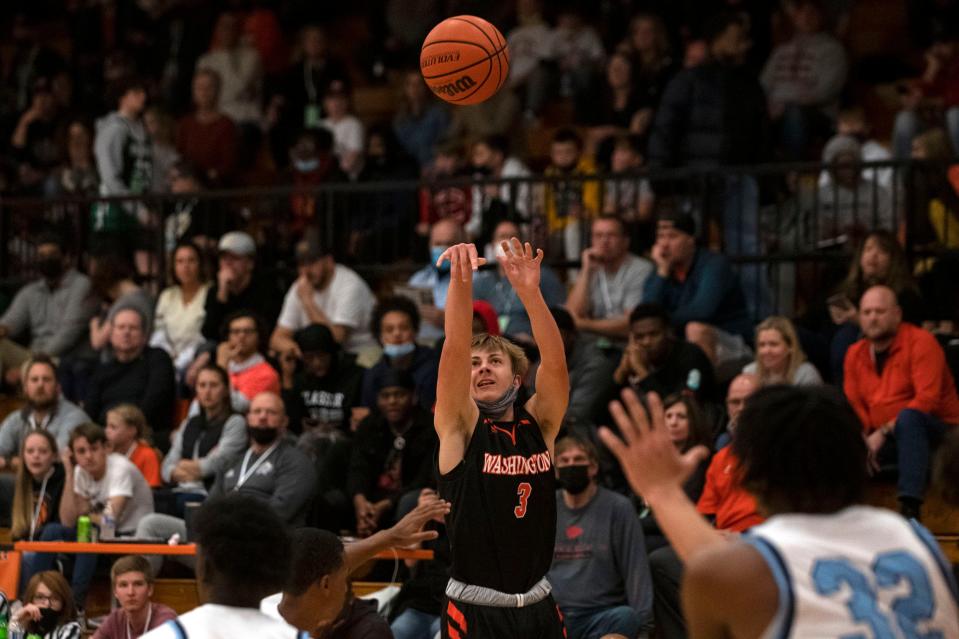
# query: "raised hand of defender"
{"points": [[649, 459], [463, 259], [408, 531], [522, 268]]}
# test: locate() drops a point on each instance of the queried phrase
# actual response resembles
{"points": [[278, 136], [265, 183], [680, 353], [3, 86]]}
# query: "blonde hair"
{"points": [[132, 416], [23, 499], [499, 344], [785, 328]]}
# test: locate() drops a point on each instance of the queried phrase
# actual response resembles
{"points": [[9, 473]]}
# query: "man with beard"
{"points": [[53, 312], [897, 381], [599, 541], [45, 409], [272, 469]]}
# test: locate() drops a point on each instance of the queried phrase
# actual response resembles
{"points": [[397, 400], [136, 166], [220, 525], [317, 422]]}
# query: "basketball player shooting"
{"points": [[495, 458]]}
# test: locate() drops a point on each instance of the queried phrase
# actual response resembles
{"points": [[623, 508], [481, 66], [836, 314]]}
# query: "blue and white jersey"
{"points": [[862, 573]]}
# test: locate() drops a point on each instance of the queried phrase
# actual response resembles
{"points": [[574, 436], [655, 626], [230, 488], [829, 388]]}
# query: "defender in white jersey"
{"points": [[822, 565]]}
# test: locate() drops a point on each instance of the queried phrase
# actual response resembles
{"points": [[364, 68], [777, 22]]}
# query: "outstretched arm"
{"points": [[456, 413], [549, 403], [407, 532]]}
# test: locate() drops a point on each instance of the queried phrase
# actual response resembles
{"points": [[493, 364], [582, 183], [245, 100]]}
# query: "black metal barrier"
{"points": [[782, 224]]}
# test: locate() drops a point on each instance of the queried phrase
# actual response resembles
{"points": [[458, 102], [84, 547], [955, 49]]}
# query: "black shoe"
{"points": [[910, 508]]}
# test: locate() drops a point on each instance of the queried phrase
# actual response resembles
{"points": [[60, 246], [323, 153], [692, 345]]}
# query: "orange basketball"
{"points": [[464, 60]]}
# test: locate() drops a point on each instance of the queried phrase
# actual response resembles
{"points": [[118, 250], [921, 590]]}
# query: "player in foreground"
{"points": [[823, 564], [495, 458]]}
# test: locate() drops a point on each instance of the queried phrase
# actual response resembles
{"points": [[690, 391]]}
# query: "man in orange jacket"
{"points": [[897, 381]]}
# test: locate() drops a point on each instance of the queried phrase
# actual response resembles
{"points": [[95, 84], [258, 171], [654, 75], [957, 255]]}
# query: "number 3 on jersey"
{"points": [[524, 490]]}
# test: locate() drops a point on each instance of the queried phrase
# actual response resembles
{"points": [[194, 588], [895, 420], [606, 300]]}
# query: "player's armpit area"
{"points": [[728, 591]]}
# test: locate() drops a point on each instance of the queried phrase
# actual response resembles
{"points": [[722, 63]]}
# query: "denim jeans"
{"points": [[598, 622], [413, 624], [916, 434], [84, 565]]}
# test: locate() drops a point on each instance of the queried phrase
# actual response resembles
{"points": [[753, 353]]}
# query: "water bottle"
{"points": [[108, 525], [15, 630], [4, 620]]}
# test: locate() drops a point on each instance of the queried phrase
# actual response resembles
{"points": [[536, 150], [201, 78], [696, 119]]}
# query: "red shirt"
{"points": [[915, 376], [723, 496], [146, 459], [256, 379], [209, 146]]}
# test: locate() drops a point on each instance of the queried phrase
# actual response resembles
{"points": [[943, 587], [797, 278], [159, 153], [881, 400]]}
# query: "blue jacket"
{"points": [[711, 293]]}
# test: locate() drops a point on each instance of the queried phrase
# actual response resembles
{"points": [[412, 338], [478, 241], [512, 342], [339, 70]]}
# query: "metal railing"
{"points": [[784, 225]]}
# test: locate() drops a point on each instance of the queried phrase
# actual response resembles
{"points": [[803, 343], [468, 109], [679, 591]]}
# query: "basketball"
{"points": [[464, 60]]}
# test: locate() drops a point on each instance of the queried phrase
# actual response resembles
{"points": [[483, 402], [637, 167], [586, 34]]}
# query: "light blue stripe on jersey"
{"points": [[783, 621], [930, 542]]}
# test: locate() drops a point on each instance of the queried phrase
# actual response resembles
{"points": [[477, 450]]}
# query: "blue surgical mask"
{"points": [[306, 166], [435, 252], [399, 350]]}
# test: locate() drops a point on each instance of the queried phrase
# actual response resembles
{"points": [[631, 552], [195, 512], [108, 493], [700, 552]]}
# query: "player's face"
{"points": [[492, 375], [677, 423], [773, 350], [132, 591]]}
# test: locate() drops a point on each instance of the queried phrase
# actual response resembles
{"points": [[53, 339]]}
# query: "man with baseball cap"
{"points": [[699, 290], [325, 293], [238, 286]]}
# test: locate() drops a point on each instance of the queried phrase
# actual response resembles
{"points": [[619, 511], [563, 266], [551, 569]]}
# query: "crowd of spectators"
{"points": [[314, 394]]}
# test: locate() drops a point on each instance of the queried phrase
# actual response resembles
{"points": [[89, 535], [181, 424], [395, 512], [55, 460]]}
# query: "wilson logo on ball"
{"points": [[453, 88]]}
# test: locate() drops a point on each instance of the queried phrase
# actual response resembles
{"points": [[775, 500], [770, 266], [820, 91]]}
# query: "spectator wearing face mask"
{"points": [[396, 323], [51, 312], [435, 279], [48, 608], [272, 470], [599, 542]]}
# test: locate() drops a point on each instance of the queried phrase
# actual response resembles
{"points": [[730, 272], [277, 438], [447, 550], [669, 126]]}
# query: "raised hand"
{"points": [[464, 259], [521, 267], [409, 530], [649, 459]]}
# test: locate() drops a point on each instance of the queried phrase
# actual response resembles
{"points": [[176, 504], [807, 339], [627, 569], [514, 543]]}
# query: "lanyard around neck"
{"points": [[246, 474], [36, 509], [146, 627]]}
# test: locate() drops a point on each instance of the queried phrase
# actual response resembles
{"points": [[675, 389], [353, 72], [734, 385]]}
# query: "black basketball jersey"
{"points": [[502, 520]]}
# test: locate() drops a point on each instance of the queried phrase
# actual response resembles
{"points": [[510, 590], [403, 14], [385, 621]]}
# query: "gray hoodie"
{"points": [[66, 416], [124, 156]]}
